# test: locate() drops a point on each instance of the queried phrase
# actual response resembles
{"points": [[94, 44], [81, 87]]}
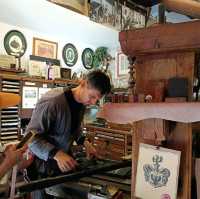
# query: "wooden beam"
{"points": [[161, 38], [185, 7], [123, 113]]}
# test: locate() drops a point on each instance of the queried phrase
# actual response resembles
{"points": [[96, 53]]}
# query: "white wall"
{"points": [[29, 34], [42, 19]]}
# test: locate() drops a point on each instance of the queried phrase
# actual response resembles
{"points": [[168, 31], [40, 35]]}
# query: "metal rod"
{"points": [[50, 181]]}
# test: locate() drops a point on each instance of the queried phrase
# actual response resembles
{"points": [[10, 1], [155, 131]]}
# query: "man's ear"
{"points": [[83, 82]]}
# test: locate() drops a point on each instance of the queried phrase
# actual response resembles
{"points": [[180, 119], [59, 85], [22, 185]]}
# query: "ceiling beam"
{"points": [[186, 7]]}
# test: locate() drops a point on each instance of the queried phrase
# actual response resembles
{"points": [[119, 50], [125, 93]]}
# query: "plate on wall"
{"points": [[15, 43], [70, 54], [87, 58]]}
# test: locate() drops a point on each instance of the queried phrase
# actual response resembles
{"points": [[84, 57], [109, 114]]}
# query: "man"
{"points": [[57, 119]]}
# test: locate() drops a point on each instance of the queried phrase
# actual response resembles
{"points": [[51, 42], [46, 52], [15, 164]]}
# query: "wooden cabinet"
{"points": [[10, 122], [161, 52], [110, 143]]}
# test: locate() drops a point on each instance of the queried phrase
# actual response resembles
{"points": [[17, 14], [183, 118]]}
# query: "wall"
{"points": [[29, 34], [42, 19]]}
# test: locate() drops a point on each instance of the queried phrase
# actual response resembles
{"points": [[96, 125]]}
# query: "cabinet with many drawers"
{"points": [[110, 143]]}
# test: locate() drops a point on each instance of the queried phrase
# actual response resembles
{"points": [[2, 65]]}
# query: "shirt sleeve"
{"points": [[42, 118]]}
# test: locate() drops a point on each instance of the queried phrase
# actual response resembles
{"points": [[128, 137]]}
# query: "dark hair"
{"points": [[100, 81]]}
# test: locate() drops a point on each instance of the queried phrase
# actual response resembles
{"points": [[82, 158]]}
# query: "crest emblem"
{"points": [[154, 174]]}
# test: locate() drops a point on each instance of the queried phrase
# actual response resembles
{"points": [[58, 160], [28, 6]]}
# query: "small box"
{"points": [[65, 73]]}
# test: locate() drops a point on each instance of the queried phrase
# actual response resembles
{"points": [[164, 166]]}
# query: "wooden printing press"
{"points": [[157, 55], [99, 167], [179, 138]]}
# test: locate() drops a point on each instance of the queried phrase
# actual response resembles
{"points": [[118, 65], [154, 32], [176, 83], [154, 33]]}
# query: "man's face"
{"points": [[89, 95]]}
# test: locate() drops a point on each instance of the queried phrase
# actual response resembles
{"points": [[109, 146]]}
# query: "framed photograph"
{"points": [[80, 6], [157, 172], [132, 19], [106, 12], [122, 64], [36, 68], [45, 48], [65, 73], [29, 96]]}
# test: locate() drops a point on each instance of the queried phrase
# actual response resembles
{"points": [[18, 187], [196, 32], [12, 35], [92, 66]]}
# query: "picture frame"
{"points": [[157, 172], [122, 64], [79, 6], [45, 48], [65, 73], [29, 97], [87, 58], [70, 54], [15, 43], [106, 12]]}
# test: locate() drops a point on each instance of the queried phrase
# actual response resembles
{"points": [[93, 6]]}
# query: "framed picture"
{"points": [[70, 54], [122, 64], [87, 58], [80, 6], [15, 43], [132, 19], [106, 12], [65, 73], [29, 97], [36, 68], [45, 48], [157, 172]]}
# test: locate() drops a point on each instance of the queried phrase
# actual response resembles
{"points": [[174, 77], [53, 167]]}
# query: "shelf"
{"points": [[10, 70]]}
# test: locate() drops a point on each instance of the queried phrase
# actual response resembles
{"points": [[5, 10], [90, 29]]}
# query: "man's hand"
{"points": [[64, 161], [13, 156], [90, 150]]}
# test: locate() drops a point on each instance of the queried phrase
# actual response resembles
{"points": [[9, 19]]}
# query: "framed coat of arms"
{"points": [[157, 172]]}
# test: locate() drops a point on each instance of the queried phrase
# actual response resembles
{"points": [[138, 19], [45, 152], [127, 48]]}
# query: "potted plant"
{"points": [[101, 58]]}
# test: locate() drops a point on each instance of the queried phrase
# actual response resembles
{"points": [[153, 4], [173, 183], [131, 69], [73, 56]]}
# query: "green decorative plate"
{"points": [[87, 58], [15, 43], [70, 54]]}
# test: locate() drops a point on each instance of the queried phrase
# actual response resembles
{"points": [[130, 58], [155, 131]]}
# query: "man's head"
{"points": [[95, 86], [100, 81]]}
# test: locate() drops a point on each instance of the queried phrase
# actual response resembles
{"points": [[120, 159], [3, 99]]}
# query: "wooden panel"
{"points": [[161, 38], [130, 112], [162, 67], [137, 138], [181, 139]]}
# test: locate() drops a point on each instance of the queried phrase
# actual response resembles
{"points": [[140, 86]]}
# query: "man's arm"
{"points": [[41, 121], [11, 157]]}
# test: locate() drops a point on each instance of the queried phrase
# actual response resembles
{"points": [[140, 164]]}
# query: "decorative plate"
{"points": [[15, 43], [70, 54], [87, 58]]}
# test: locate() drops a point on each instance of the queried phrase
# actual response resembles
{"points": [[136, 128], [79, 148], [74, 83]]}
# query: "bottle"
{"points": [[50, 71]]}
